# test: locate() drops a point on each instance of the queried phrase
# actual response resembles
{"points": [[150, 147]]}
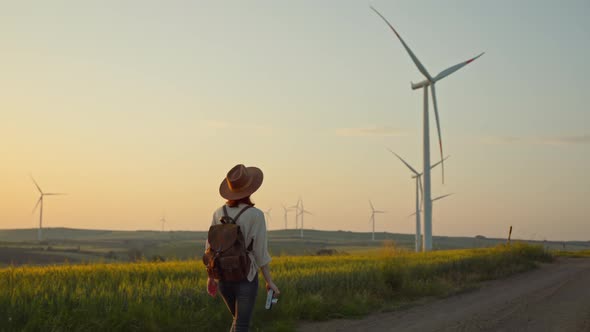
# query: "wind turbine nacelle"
{"points": [[420, 84]]}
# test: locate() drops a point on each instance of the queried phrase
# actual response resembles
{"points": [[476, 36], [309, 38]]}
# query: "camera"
{"points": [[270, 300]]}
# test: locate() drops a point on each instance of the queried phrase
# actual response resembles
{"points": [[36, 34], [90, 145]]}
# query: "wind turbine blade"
{"points": [[421, 191], [37, 205], [405, 163], [441, 197], [36, 185], [442, 164], [296, 206], [378, 211], [305, 211], [286, 209], [413, 214], [54, 194], [371, 204], [414, 58], [433, 166], [454, 68]]}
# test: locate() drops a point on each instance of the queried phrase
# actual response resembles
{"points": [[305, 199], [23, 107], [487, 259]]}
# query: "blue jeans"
{"points": [[240, 297]]}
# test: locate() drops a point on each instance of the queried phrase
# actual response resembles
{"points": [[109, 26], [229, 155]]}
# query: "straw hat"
{"points": [[240, 182]]}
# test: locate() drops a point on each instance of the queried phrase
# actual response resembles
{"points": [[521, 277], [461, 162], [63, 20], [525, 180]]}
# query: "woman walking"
{"points": [[240, 295]]}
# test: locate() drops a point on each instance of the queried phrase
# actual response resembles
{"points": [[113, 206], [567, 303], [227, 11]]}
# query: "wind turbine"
{"points": [[419, 196], [163, 221], [372, 218], [268, 218], [296, 207], [286, 210], [302, 212], [429, 81], [40, 202]]}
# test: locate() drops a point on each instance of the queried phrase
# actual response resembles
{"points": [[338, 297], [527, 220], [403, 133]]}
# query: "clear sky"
{"points": [[139, 108]]}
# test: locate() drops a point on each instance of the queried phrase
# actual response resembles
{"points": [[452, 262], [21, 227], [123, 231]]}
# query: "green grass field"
{"points": [[171, 296]]}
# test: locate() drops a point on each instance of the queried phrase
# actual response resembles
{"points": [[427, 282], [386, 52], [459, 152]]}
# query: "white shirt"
{"points": [[253, 226]]}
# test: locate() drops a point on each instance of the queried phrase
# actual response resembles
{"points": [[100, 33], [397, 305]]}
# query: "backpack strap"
{"points": [[249, 248], [240, 213], [227, 219]]}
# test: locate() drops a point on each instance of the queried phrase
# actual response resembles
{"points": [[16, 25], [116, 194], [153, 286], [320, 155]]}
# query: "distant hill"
{"points": [[61, 245], [325, 238], [73, 234]]}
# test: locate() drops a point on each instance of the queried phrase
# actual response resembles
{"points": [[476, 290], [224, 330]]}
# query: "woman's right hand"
{"points": [[275, 289], [211, 287]]}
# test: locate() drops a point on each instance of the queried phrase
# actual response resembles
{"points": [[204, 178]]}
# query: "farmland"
{"points": [[18, 247], [170, 296]]}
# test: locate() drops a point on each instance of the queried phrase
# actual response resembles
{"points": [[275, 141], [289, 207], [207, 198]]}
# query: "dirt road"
{"points": [[555, 297]]}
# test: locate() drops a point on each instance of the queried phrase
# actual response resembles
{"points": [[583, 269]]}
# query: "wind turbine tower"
{"points": [[372, 218], [296, 207], [429, 81], [286, 212], [302, 212], [40, 205]]}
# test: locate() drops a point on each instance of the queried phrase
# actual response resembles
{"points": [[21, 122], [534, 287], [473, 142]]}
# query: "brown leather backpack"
{"points": [[227, 257]]}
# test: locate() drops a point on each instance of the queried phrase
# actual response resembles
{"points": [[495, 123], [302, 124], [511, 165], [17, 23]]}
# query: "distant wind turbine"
{"points": [[163, 221], [296, 207], [419, 197], [428, 81], [302, 212], [40, 204], [268, 218], [372, 218], [286, 212]]}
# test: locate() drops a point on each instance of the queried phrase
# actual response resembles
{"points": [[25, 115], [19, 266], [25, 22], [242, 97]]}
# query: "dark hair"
{"points": [[234, 203]]}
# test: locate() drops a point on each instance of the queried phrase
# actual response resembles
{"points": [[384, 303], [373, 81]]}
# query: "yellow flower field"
{"points": [[171, 296]]}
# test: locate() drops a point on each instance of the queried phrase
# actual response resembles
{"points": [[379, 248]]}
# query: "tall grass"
{"points": [[572, 254], [171, 296]]}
